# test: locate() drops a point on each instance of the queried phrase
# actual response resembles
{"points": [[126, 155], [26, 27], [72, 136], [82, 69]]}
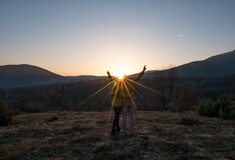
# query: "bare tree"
{"points": [[186, 97], [6, 98], [162, 88], [166, 82], [172, 80], [59, 97]]}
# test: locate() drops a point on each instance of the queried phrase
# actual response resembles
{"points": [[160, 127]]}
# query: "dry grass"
{"points": [[85, 135]]}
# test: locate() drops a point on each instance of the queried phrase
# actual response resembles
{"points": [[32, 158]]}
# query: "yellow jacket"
{"points": [[116, 93], [123, 91], [128, 88]]}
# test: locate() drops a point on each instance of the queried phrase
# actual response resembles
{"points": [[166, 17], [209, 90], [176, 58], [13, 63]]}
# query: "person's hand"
{"points": [[108, 73], [144, 68]]}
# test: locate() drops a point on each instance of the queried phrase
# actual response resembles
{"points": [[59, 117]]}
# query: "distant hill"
{"points": [[219, 65], [27, 75], [226, 61], [215, 66]]}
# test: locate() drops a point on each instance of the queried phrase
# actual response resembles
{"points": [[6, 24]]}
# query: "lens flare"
{"points": [[119, 74]]}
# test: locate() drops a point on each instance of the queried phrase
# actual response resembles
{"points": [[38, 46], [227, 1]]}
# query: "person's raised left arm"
{"points": [[141, 74]]}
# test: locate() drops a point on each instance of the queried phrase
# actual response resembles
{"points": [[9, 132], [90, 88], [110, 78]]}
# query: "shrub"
{"points": [[77, 128], [232, 113], [53, 118], [188, 121], [5, 114], [208, 108], [223, 108]]}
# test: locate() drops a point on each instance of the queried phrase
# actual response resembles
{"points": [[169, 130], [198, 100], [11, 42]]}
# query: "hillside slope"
{"points": [[219, 65], [215, 66], [27, 75], [226, 60]]}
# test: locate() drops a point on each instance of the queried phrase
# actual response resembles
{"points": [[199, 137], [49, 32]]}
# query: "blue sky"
{"points": [[89, 37]]}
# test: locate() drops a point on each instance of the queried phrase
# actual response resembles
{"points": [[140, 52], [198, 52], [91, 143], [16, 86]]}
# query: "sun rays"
{"points": [[98, 91], [126, 84], [144, 86]]}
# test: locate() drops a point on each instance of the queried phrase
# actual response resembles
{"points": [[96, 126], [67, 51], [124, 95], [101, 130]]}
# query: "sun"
{"points": [[119, 74]]}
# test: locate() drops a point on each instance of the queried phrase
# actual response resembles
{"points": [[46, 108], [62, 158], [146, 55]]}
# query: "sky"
{"points": [[90, 37]]}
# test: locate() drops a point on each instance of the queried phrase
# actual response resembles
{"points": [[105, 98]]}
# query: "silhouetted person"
{"points": [[117, 102], [129, 99]]}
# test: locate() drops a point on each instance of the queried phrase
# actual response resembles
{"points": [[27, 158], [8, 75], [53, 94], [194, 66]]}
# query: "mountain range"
{"points": [[219, 65], [215, 66], [28, 75]]}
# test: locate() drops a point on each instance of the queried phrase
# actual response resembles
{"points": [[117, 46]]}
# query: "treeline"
{"points": [[59, 96], [163, 91], [213, 87]]}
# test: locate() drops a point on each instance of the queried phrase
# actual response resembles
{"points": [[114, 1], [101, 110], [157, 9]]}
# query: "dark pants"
{"points": [[118, 111]]}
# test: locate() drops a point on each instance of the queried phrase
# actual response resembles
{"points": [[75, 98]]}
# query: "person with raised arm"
{"points": [[117, 102], [129, 105]]}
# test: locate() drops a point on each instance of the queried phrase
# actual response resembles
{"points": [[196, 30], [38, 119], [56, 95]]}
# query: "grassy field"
{"points": [[86, 135]]}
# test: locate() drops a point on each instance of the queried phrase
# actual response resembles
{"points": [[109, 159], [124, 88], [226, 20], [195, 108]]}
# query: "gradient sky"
{"points": [[89, 37]]}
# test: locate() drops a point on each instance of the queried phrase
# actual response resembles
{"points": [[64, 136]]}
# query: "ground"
{"points": [[86, 135]]}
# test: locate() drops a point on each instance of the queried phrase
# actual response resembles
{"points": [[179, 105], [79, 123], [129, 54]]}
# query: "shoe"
{"points": [[123, 133], [113, 132], [118, 129]]}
